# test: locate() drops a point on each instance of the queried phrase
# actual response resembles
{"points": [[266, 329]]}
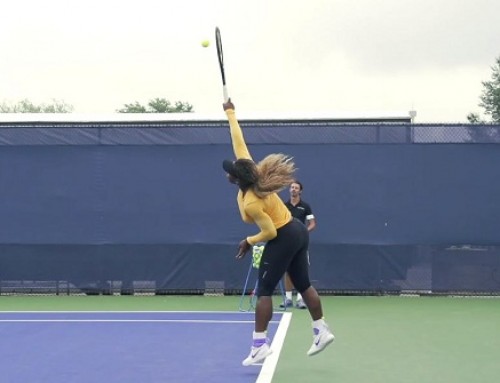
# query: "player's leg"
{"points": [[274, 262], [300, 303], [299, 273]]}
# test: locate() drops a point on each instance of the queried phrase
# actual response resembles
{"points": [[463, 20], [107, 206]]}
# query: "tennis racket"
{"points": [[220, 56]]}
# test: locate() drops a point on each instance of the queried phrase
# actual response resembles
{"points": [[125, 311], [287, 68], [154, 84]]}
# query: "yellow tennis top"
{"points": [[269, 213]]}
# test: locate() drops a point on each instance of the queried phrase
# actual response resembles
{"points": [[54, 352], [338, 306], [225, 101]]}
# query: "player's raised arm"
{"points": [[239, 146]]}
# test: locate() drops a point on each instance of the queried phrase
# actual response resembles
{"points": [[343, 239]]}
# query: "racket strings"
{"points": [[220, 54]]}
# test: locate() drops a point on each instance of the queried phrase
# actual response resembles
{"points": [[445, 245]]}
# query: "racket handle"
{"points": [[225, 93]]}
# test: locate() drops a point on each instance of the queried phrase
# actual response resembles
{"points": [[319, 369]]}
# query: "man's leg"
{"points": [[288, 292]]}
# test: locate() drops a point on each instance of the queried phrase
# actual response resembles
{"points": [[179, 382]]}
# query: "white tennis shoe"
{"points": [[322, 337], [257, 354]]}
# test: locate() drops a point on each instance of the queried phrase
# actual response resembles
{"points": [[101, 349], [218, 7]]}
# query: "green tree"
{"points": [[133, 108], [490, 97], [26, 106], [490, 102], [157, 105]]}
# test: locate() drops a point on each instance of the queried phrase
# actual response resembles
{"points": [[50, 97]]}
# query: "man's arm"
{"points": [[310, 219], [311, 223]]}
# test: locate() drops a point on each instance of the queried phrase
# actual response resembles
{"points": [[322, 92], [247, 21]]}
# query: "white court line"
{"points": [[124, 312], [207, 321], [130, 321], [269, 366]]}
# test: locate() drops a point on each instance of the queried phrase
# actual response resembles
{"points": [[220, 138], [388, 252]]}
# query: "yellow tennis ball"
{"points": [[205, 43]]}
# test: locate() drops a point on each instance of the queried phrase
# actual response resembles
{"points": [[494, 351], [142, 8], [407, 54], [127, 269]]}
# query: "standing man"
{"points": [[303, 212]]}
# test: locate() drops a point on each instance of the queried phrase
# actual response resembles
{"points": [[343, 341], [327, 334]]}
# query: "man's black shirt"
{"points": [[299, 211]]}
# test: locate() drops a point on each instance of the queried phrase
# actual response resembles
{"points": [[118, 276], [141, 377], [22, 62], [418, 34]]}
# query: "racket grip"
{"points": [[225, 93]]}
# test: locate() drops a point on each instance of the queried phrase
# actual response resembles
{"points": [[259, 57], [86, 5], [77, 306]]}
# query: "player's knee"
{"points": [[264, 290], [301, 287]]}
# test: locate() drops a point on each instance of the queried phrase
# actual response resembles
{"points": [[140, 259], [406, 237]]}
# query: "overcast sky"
{"points": [[284, 56]]}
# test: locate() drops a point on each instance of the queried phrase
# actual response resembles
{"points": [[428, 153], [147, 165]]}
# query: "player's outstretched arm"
{"points": [[239, 146]]}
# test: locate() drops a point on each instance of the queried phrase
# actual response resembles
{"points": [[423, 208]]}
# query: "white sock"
{"points": [[288, 295], [259, 339], [299, 297], [319, 323], [259, 335]]}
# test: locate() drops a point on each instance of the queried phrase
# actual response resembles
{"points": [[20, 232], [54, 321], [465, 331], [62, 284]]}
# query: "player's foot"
{"points": [[322, 338], [287, 303], [257, 354], [300, 304]]}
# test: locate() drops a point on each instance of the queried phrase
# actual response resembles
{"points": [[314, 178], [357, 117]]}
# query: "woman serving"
{"points": [[287, 239]]}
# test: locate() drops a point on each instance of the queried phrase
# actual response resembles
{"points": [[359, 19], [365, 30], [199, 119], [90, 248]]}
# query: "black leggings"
{"points": [[287, 252]]}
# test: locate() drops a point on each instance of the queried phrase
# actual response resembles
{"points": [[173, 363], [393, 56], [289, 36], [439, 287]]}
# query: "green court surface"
{"points": [[378, 339]]}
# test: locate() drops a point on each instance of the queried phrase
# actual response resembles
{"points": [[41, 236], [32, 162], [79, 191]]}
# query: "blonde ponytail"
{"points": [[276, 172]]}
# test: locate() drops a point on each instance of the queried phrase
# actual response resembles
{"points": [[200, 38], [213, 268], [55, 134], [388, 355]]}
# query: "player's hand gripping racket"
{"points": [[220, 56]]}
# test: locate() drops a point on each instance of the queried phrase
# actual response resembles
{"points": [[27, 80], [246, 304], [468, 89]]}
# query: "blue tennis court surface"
{"points": [[121, 347]]}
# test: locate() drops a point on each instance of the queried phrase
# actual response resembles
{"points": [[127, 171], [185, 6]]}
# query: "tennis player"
{"points": [[287, 239]]}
